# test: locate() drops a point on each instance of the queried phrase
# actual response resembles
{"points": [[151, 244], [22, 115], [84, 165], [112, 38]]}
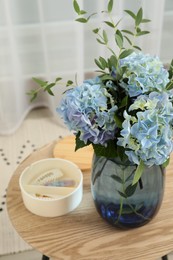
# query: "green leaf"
{"points": [[131, 14], [96, 176], [137, 47], [76, 7], [79, 143], [100, 41], [107, 77], [99, 64], [124, 102], [48, 88], [139, 17], [127, 31], [81, 20], [33, 94], [113, 61], [122, 194], [96, 30], [119, 39], [138, 172], [58, 79], [116, 178], [69, 83], [105, 36], [170, 71], [109, 151], [118, 121], [100, 71], [118, 22], [121, 153], [50, 92], [169, 85], [138, 29], [40, 82], [145, 21], [130, 176], [103, 62], [165, 164], [129, 41], [110, 5], [126, 53], [82, 12], [129, 191], [142, 33], [109, 24]]}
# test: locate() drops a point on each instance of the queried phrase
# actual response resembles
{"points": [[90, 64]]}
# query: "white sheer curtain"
{"points": [[39, 38]]}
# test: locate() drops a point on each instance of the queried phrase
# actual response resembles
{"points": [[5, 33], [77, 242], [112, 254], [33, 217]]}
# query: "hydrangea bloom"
{"points": [[143, 74], [85, 110], [135, 111], [147, 136]]}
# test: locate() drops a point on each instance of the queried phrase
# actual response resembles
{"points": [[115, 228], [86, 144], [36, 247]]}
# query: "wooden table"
{"points": [[82, 234]]}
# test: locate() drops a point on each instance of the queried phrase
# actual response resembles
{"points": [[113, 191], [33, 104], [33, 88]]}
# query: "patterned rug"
{"points": [[39, 128]]}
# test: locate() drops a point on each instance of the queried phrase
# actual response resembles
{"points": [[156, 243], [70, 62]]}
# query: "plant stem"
{"points": [[128, 203], [121, 209]]}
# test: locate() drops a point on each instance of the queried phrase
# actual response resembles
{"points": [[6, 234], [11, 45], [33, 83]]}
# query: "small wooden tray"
{"points": [[65, 149]]}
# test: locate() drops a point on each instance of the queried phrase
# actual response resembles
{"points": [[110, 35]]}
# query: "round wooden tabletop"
{"points": [[82, 234]]}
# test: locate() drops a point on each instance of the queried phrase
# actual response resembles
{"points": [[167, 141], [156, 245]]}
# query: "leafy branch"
{"points": [[46, 87], [121, 36], [170, 71]]}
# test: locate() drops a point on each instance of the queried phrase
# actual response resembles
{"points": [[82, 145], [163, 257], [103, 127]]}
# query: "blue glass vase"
{"points": [[119, 202]]}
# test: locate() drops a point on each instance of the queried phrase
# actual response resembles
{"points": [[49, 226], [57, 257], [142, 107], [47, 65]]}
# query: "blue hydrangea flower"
{"points": [[143, 74], [148, 137], [85, 110]]}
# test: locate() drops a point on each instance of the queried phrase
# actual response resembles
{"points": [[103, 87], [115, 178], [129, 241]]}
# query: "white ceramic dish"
{"points": [[51, 187]]}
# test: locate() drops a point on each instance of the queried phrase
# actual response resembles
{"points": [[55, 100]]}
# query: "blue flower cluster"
{"points": [[143, 74], [147, 136], [85, 110], [95, 110]]}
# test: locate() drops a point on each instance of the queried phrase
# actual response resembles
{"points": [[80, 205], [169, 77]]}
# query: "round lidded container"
{"points": [[51, 187]]}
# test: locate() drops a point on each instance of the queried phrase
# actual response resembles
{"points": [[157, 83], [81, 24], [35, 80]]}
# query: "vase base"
{"points": [[129, 217]]}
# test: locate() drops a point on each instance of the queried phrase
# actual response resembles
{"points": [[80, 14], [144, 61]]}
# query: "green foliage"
{"points": [[130, 190], [117, 178], [79, 143], [138, 172], [170, 71], [77, 8], [109, 151], [165, 164], [124, 42], [110, 5], [126, 53], [46, 87], [119, 35]]}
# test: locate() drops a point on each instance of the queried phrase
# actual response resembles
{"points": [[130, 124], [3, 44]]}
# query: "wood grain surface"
{"points": [[82, 234], [65, 148]]}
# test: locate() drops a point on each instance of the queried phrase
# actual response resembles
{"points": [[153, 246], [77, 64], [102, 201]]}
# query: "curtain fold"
{"points": [[39, 38]]}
